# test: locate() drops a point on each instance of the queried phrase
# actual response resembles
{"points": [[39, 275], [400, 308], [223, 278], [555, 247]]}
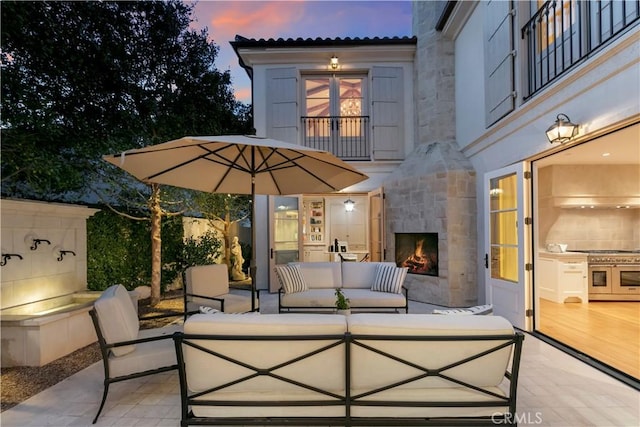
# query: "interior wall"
{"points": [[598, 228]]}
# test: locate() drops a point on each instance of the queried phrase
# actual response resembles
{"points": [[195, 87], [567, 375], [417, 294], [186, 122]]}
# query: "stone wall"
{"points": [[39, 275], [433, 191]]}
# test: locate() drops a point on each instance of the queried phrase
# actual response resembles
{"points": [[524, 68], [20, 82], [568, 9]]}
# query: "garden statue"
{"points": [[236, 260]]}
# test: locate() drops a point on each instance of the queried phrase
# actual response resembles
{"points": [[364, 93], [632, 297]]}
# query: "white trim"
{"points": [[459, 17], [38, 208], [510, 124]]}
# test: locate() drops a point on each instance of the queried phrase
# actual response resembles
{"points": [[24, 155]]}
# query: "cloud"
{"points": [[243, 93], [254, 19], [292, 19]]}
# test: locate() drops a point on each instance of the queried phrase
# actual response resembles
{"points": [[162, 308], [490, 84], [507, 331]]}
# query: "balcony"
{"points": [[564, 32], [347, 137]]}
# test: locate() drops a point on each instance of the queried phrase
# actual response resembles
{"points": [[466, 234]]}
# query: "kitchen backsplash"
{"points": [[591, 229]]}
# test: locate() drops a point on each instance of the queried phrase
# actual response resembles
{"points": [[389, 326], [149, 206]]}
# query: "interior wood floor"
{"points": [[608, 331]]}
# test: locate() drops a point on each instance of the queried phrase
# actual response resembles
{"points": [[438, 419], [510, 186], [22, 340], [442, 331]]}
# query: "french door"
{"points": [[507, 243], [335, 118], [284, 226]]}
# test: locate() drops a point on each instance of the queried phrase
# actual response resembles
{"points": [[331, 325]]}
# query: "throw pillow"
{"points": [[208, 310], [290, 278], [389, 278]]}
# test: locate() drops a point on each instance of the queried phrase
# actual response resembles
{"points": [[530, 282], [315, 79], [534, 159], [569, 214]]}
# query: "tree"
{"points": [[222, 211], [82, 79]]}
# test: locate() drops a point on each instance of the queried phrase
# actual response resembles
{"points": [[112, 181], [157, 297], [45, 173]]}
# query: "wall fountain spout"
{"points": [[6, 257], [63, 253], [36, 242]]}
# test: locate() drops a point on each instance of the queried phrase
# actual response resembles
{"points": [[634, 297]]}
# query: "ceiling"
{"points": [[623, 147]]}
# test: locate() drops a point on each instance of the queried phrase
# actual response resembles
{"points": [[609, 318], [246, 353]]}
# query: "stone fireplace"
{"points": [[434, 189], [434, 192]]}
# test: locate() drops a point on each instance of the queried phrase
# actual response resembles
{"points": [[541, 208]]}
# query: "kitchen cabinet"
{"points": [[313, 222], [350, 227], [315, 254], [562, 277]]}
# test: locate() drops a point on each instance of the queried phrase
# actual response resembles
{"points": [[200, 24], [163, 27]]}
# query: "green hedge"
{"points": [[119, 251]]}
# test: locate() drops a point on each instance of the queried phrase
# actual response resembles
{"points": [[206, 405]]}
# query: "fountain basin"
{"points": [[39, 332]]}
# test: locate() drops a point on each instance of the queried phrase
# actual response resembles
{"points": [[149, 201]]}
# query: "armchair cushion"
{"points": [[389, 278], [118, 318], [210, 280], [147, 355], [290, 278]]}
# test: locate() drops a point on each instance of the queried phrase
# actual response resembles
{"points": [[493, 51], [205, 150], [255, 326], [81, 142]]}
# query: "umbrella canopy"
{"points": [[227, 164], [238, 164]]}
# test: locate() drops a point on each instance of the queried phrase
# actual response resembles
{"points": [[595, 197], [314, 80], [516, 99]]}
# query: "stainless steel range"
{"points": [[614, 275]]}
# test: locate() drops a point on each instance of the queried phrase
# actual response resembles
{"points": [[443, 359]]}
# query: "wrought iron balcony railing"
{"points": [[347, 137], [563, 32]]}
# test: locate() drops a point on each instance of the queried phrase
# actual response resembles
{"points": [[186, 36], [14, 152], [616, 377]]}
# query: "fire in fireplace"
{"points": [[418, 252]]}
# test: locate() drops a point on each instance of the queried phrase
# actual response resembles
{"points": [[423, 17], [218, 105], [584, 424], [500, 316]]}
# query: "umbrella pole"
{"points": [[252, 264]]}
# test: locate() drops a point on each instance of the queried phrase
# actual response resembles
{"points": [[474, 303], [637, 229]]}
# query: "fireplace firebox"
{"points": [[418, 252]]}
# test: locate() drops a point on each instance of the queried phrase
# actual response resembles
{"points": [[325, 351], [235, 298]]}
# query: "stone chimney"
{"points": [[433, 190]]}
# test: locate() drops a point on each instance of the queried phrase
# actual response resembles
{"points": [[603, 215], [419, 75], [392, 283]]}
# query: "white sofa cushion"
{"points": [[360, 274], [487, 371], [205, 371], [118, 318], [290, 278], [367, 298], [321, 274], [389, 278], [311, 298], [325, 298]]}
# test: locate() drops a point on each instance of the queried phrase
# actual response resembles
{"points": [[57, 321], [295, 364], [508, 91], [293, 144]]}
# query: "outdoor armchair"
{"points": [[208, 286], [127, 351]]}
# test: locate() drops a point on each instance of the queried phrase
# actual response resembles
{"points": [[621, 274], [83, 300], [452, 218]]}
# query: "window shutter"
{"points": [[387, 112], [282, 99], [499, 60]]}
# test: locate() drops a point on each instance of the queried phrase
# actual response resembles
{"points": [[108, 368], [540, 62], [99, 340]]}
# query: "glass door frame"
{"points": [[511, 299], [273, 284]]}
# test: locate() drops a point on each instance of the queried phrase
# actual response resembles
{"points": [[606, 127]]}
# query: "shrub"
{"points": [[119, 251]]}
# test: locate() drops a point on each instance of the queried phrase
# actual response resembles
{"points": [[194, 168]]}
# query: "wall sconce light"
{"points": [[562, 130], [334, 63], [349, 205]]}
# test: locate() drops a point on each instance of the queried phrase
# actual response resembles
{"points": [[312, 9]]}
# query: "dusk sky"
{"points": [[293, 19]]}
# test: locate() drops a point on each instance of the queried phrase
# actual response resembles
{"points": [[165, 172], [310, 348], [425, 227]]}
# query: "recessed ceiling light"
{"points": [[606, 154]]}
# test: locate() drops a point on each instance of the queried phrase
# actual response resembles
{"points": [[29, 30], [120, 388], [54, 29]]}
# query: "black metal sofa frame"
{"points": [[305, 309], [348, 400]]}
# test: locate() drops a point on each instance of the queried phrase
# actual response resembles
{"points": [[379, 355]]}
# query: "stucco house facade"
{"points": [[455, 121]]}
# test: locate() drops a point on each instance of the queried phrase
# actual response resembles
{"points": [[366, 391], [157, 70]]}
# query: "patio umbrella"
{"points": [[239, 164]]}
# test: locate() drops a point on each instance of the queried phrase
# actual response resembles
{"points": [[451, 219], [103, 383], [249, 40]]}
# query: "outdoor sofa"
{"points": [[311, 286], [362, 369]]}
